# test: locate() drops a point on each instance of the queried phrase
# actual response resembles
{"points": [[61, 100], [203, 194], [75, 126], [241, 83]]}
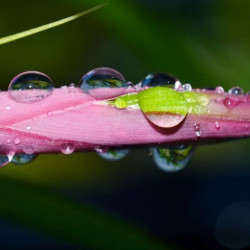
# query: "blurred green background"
{"points": [[80, 201]]}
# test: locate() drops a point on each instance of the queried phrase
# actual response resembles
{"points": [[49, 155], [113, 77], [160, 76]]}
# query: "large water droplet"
{"points": [[174, 158], [30, 86], [67, 148], [236, 91], [21, 159], [100, 80], [114, 155], [159, 79]]}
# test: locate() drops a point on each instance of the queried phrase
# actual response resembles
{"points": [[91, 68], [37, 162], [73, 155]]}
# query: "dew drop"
{"points": [[197, 129], [248, 93], [174, 158], [159, 79], [49, 113], [21, 159], [217, 125], [219, 90], [230, 102], [6, 155], [203, 100], [16, 140], [30, 86], [8, 107], [28, 150], [72, 88], [67, 148], [187, 87], [100, 80], [28, 127], [236, 91], [114, 155]]}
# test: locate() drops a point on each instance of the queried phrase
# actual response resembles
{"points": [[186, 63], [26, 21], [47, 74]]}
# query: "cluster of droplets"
{"points": [[34, 86]]}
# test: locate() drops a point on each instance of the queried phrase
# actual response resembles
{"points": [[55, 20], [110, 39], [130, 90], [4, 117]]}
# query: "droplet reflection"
{"points": [[114, 155], [30, 86], [172, 159]]}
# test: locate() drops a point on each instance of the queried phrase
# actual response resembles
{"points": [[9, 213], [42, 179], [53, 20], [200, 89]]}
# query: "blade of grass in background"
{"points": [[33, 31]]}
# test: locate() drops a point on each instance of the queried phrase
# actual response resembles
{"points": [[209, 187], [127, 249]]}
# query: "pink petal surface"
{"points": [[71, 116]]}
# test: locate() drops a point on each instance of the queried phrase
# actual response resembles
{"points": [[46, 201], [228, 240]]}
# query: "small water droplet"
{"points": [[21, 159], [16, 140], [219, 90], [174, 158], [8, 107], [6, 155], [198, 133], [159, 79], [103, 78], [196, 127], [187, 87], [248, 93], [178, 85], [49, 113], [230, 102], [236, 91], [30, 86], [113, 155], [72, 88], [67, 148], [120, 103], [217, 125], [28, 127], [28, 150], [203, 100]]}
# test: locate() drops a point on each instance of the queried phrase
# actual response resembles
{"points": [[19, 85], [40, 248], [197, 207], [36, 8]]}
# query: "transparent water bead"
{"points": [[30, 86], [114, 155], [6, 155], [67, 148], [236, 91], [174, 158], [100, 80], [21, 159], [159, 79]]}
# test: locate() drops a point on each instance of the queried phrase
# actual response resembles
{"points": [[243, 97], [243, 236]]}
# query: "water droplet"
{"points": [[21, 159], [236, 91], [187, 87], [219, 90], [120, 103], [28, 127], [174, 158], [101, 79], [6, 155], [113, 155], [203, 100], [67, 148], [217, 125], [30, 86], [8, 107], [230, 102], [28, 150], [72, 88], [49, 113], [197, 129], [16, 140], [178, 85], [248, 93], [159, 79]]}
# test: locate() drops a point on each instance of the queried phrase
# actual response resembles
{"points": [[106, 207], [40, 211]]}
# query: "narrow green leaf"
{"points": [[30, 32]]}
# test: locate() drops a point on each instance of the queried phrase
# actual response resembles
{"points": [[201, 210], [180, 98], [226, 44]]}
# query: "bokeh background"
{"points": [[80, 201]]}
